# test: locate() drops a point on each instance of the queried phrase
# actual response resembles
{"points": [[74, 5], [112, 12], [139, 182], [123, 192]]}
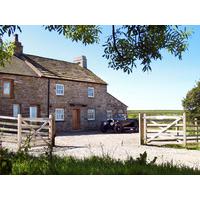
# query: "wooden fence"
{"points": [[39, 131], [167, 129]]}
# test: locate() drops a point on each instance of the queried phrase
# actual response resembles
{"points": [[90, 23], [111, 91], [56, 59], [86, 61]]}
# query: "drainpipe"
{"points": [[48, 97]]}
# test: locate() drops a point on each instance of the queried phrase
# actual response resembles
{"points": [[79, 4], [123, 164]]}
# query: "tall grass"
{"points": [[22, 163]]}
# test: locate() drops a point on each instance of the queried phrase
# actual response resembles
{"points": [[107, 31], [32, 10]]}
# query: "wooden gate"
{"points": [[154, 129], [39, 131]]}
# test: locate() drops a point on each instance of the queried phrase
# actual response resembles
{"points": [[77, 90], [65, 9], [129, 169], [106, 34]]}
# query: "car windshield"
{"points": [[119, 117]]}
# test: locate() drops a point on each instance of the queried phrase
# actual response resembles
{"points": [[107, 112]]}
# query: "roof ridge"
{"points": [[50, 58], [48, 70], [33, 63]]}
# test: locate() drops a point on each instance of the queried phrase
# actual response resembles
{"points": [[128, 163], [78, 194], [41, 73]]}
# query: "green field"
{"points": [[134, 113]]}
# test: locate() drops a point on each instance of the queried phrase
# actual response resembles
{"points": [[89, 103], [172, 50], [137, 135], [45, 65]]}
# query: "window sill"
{"points": [[7, 97]]}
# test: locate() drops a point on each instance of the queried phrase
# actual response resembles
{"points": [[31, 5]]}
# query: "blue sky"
{"points": [[162, 88]]}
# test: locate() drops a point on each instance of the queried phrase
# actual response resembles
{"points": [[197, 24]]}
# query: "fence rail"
{"points": [[17, 129], [155, 129]]}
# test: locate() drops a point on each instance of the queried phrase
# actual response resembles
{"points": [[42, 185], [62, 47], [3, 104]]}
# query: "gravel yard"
{"points": [[119, 146]]}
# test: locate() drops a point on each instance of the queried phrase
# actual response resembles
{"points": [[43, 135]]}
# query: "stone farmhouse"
{"points": [[36, 86]]}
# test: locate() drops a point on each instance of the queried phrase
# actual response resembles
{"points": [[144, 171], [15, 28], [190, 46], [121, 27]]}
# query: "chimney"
{"points": [[81, 60], [18, 46]]}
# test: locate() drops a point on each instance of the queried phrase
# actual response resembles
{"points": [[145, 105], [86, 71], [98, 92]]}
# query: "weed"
{"points": [[142, 160]]}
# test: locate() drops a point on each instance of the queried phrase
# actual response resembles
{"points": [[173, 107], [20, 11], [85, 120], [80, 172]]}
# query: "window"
{"points": [[59, 89], [59, 114], [109, 114], [33, 112], [16, 110], [90, 92], [91, 114], [7, 88]]}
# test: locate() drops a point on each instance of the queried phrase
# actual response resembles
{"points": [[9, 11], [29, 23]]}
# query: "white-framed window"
{"points": [[59, 114], [90, 92], [33, 111], [59, 89], [16, 110], [91, 114], [7, 88], [109, 114]]}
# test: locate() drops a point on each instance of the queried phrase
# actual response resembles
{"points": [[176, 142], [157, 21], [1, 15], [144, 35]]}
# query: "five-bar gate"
{"points": [[158, 129]]}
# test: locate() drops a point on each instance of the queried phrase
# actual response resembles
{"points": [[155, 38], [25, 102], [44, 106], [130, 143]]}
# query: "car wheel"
{"points": [[103, 129], [118, 128]]}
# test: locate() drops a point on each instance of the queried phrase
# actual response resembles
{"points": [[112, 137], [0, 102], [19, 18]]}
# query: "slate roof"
{"points": [[32, 65], [18, 67]]}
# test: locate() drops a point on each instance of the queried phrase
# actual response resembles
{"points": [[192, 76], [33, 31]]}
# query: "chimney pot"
{"points": [[18, 46], [81, 60], [16, 38]]}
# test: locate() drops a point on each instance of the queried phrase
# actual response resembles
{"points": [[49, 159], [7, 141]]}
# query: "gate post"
{"points": [[184, 130], [141, 129], [196, 128], [52, 129], [196, 125], [145, 128], [19, 130]]}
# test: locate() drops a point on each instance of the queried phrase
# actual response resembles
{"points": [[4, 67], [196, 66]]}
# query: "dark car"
{"points": [[120, 124]]}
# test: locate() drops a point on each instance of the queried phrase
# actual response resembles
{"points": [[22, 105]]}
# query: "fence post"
{"points": [[52, 129], [184, 130], [19, 130], [196, 128], [141, 129], [177, 128], [145, 128]]}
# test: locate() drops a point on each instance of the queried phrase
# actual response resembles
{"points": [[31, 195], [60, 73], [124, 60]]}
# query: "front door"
{"points": [[76, 119]]}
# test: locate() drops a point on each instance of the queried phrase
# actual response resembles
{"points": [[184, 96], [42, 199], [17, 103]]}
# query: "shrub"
{"points": [[191, 102]]}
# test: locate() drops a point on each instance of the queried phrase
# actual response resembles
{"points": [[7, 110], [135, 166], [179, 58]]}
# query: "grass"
{"points": [[189, 146], [22, 163], [134, 113]]}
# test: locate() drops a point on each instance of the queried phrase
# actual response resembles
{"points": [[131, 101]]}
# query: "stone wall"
{"points": [[75, 93], [28, 91], [34, 91], [115, 105]]}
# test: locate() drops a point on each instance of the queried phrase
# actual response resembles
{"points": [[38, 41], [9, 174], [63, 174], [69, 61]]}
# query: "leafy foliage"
{"points": [[6, 52], [5, 161], [129, 44], [87, 34], [9, 29], [191, 102], [7, 48]]}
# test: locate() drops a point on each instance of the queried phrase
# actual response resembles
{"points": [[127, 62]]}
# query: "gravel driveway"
{"points": [[120, 146]]}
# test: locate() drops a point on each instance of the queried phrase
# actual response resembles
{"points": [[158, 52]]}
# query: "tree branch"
{"points": [[114, 42]]}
